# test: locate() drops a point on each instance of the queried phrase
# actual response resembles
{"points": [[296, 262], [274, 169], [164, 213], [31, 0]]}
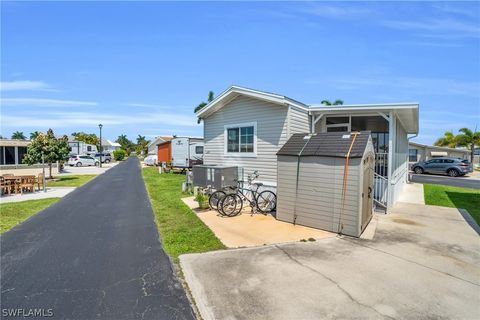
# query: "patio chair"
{"points": [[27, 183], [5, 186], [40, 181]]}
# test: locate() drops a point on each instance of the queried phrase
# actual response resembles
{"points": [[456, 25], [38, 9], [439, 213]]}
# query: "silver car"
{"points": [[450, 166], [106, 157], [81, 161]]}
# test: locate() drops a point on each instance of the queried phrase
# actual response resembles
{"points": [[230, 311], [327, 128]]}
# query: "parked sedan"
{"points": [[82, 161], [451, 166]]}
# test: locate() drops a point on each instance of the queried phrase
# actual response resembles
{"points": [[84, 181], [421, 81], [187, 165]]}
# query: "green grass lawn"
{"points": [[71, 181], [14, 213], [454, 197], [180, 229]]}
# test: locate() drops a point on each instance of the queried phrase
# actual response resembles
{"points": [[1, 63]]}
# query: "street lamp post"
{"points": [[100, 126]]}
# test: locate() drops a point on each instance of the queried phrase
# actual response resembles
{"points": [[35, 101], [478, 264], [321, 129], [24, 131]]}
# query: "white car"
{"points": [[82, 161], [151, 160]]}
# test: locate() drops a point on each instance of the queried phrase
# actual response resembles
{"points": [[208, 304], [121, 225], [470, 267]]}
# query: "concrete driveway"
{"points": [[423, 262]]}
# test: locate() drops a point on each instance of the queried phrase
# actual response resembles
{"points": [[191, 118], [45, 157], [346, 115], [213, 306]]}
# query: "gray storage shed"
{"points": [[315, 188]]}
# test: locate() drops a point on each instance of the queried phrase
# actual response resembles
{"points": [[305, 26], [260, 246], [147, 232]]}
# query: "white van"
{"points": [[186, 152]]}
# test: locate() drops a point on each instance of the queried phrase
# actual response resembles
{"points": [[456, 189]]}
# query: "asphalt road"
{"points": [[463, 182], [96, 254]]}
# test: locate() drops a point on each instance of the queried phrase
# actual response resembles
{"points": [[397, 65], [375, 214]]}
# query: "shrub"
{"points": [[119, 154]]}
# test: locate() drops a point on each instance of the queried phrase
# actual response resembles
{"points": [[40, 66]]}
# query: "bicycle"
{"points": [[232, 204]]}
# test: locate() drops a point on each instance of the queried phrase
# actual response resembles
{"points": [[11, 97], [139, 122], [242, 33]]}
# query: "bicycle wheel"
{"points": [[230, 205], [215, 198], [266, 201]]}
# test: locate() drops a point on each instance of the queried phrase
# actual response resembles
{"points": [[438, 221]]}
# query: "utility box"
{"points": [[326, 181], [217, 177]]}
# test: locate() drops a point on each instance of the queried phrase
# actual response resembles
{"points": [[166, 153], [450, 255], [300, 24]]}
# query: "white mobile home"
{"points": [[187, 151], [422, 152], [246, 128], [152, 145]]}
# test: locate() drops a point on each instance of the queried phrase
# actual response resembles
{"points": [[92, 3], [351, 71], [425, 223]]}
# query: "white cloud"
{"points": [[147, 105], [433, 86], [458, 9], [40, 102], [23, 85], [76, 119], [447, 25], [335, 11]]}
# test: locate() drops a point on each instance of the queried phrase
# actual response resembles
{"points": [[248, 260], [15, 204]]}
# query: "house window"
{"points": [[89, 148], [199, 149], [240, 139], [412, 155]]}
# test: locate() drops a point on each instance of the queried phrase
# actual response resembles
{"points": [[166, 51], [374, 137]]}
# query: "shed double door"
{"points": [[367, 191]]}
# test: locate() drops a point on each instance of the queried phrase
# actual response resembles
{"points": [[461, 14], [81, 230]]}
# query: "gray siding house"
{"points": [[246, 128]]}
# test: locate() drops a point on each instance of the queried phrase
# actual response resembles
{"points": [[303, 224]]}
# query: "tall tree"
{"points": [[448, 140], [53, 149], [202, 104], [18, 135], [125, 143], [334, 103], [469, 139], [90, 138], [142, 145]]}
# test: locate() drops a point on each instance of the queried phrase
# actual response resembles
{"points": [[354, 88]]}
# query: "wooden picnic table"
{"points": [[15, 182]]}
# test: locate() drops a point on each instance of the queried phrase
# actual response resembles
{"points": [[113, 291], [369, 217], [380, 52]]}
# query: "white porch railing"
{"points": [[380, 190], [381, 164]]}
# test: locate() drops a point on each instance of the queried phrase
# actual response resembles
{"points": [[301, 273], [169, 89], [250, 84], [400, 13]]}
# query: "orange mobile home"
{"points": [[164, 152]]}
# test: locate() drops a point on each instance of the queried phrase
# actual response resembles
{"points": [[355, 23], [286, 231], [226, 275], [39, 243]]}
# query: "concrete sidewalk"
{"points": [[58, 192], [246, 230], [424, 262], [66, 172], [412, 193]]}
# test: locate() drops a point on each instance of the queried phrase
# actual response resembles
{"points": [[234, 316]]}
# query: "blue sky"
{"points": [[141, 67]]}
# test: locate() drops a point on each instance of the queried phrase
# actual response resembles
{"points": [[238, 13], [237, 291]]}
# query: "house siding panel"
{"points": [[271, 122]]}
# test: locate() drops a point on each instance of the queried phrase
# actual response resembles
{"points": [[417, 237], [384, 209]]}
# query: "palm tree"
{"points": [[468, 138], [448, 140], [18, 135], [142, 145], [337, 102], [202, 104], [34, 134]]}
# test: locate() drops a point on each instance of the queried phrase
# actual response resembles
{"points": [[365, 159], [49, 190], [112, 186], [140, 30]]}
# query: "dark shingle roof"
{"points": [[327, 144]]}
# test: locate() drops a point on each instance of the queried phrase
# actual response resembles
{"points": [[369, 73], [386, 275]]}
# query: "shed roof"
{"points": [[327, 144]]}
